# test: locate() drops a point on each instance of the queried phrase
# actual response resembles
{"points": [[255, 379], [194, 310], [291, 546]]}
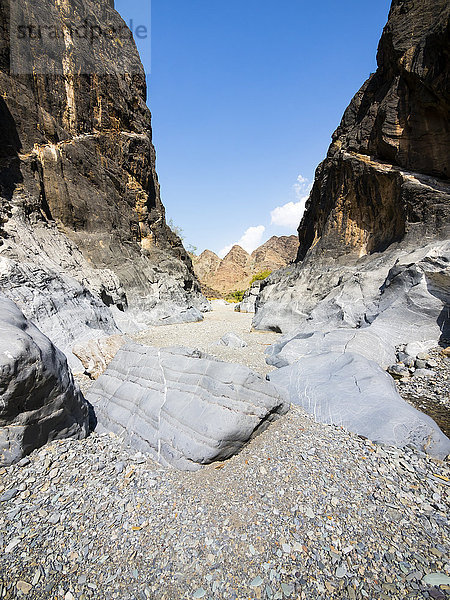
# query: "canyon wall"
{"points": [[84, 245], [383, 189]]}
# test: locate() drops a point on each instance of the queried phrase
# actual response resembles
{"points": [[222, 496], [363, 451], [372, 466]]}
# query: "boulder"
{"points": [[349, 390], [248, 302], [232, 341], [39, 401], [182, 407], [375, 309]]}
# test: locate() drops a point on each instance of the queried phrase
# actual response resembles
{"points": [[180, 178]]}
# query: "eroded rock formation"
{"points": [[381, 192], [185, 408], [39, 400], [385, 178], [82, 226], [348, 390]]}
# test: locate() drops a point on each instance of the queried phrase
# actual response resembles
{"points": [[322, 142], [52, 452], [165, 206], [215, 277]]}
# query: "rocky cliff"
{"points": [[236, 269], [84, 246], [385, 178], [382, 192]]}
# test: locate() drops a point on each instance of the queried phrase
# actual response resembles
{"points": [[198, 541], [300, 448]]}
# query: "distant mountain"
{"points": [[235, 271]]}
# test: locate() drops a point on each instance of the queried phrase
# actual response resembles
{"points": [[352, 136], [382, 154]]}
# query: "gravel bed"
{"points": [[305, 511], [431, 394], [205, 336]]}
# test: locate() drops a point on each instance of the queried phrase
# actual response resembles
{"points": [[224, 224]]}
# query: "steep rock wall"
{"points": [[383, 189], [385, 178], [80, 198]]}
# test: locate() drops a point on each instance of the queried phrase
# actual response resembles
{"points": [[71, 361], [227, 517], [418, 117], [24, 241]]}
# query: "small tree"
{"points": [[236, 296], [177, 230]]}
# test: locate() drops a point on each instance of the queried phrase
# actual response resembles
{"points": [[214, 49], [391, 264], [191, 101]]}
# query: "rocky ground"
{"points": [[205, 336], [431, 393], [305, 511]]}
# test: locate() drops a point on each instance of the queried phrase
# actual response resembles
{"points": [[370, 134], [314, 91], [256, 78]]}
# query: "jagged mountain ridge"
{"points": [[235, 270], [84, 245]]}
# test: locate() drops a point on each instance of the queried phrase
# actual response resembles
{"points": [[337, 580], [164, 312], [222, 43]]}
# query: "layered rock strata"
{"points": [[82, 226], [184, 408]]}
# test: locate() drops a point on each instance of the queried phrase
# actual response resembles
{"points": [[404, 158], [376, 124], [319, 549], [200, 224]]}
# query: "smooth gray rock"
{"points": [[61, 307], [424, 373], [348, 390], [406, 359], [370, 311], [248, 302], [232, 341], [183, 409], [39, 400]]}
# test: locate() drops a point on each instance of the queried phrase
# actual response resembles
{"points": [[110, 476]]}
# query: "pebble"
{"points": [[256, 582], [429, 391], [436, 579], [23, 587], [9, 495]]}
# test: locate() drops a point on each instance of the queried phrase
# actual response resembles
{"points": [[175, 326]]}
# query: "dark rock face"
{"points": [[381, 193], [39, 401], [385, 178], [79, 190]]}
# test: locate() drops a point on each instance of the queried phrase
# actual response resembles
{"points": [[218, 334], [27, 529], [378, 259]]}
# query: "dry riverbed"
{"points": [[306, 511], [205, 336]]}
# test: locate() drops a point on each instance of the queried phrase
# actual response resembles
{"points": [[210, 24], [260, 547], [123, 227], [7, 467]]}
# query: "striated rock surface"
{"points": [[381, 192], [39, 400], [348, 390], [181, 406], [236, 269], [370, 311], [82, 226]]}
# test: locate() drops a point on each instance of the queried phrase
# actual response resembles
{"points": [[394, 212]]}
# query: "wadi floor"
{"points": [[305, 511]]}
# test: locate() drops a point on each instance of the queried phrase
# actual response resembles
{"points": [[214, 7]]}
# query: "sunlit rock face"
{"points": [[80, 199], [385, 176], [236, 270], [382, 192]]}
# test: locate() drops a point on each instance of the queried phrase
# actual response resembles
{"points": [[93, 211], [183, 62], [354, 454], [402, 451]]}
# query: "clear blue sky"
{"points": [[245, 95]]}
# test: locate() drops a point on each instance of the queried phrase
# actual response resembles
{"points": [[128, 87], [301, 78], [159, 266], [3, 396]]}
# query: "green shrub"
{"points": [[260, 276], [235, 296]]}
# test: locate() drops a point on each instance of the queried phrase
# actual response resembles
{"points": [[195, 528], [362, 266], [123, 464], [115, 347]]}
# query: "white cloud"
{"points": [[302, 187], [290, 214], [251, 239]]}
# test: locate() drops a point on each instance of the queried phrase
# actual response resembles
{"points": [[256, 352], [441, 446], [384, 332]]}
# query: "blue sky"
{"points": [[245, 95]]}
